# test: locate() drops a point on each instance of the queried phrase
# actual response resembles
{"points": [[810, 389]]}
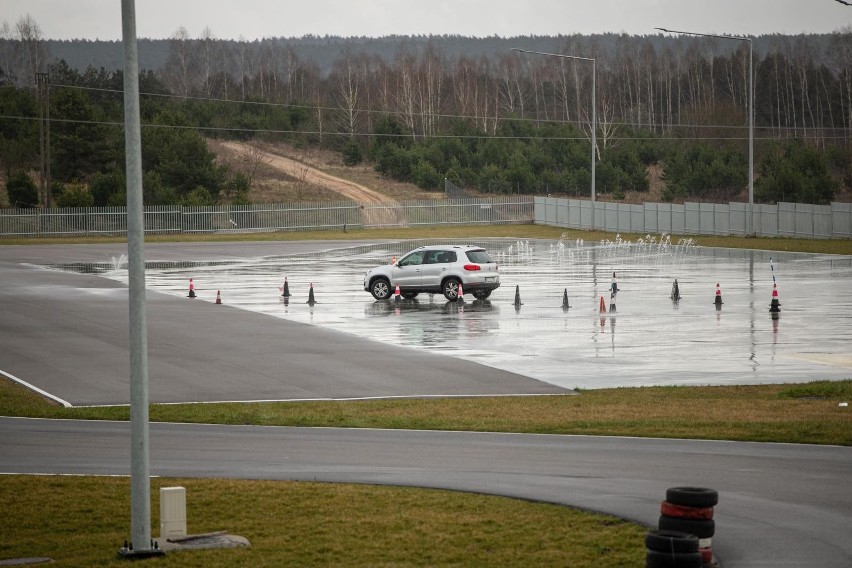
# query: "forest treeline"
{"points": [[427, 108]]}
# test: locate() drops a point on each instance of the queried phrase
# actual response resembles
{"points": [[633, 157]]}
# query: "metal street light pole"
{"points": [[594, 126], [141, 544], [749, 215]]}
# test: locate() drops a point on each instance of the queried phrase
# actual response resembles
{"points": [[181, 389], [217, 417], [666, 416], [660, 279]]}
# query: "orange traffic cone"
{"points": [[775, 305], [191, 289], [218, 297], [397, 296], [459, 297], [603, 305], [718, 300]]}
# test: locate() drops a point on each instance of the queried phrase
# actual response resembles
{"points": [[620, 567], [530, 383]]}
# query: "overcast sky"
{"points": [[253, 19]]}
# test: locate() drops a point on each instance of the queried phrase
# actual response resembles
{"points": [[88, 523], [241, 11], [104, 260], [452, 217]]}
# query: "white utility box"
{"points": [[172, 512]]}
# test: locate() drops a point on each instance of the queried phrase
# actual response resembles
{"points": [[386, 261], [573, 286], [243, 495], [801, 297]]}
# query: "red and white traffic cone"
{"points": [[397, 296], [718, 300], [460, 295], [191, 289], [775, 305], [218, 297], [603, 305]]}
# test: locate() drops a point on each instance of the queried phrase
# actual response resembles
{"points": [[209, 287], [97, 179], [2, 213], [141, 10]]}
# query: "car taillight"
{"points": [[472, 267]]}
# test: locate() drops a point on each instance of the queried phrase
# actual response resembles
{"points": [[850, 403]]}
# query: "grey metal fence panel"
{"points": [[766, 220], [692, 218], [563, 212], [721, 219], [841, 220], [804, 220], [738, 218], [822, 222], [622, 213], [610, 215], [637, 219], [651, 213], [552, 211], [575, 214], [678, 216], [787, 219]]}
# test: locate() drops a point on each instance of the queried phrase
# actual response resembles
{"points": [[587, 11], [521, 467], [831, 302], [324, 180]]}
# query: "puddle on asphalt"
{"points": [[648, 340]]}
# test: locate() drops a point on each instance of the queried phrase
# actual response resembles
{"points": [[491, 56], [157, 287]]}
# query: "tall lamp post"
{"points": [[749, 216], [594, 111]]}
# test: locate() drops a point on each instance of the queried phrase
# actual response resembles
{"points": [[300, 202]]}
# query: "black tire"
{"points": [[380, 288], [692, 496], [450, 288], [702, 528], [409, 295], [671, 541], [481, 293], [655, 559]]}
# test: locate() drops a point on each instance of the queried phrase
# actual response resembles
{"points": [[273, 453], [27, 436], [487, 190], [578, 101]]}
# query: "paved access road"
{"points": [[781, 505]]}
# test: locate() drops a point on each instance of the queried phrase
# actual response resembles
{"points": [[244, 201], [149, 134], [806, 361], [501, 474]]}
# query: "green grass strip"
{"points": [[83, 521]]}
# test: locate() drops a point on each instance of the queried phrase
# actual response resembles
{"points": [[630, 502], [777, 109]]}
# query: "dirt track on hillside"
{"points": [[383, 216], [311, 175]]}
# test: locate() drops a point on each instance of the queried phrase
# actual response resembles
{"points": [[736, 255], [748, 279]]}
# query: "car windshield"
{"points": [[479, 257]]}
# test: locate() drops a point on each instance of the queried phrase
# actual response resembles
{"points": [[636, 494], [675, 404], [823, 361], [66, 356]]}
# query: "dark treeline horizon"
{"points": [[654, 81]]}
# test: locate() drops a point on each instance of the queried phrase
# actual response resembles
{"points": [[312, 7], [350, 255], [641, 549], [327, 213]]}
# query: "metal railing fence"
{"points": [[84, 221]]}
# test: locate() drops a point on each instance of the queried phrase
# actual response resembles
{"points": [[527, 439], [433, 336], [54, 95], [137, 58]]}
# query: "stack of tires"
{"points": [[672, 549], [689, 511]]}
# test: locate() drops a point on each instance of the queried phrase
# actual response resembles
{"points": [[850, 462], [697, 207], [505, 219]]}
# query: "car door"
{"points": [[435, 267], [407, 271]]}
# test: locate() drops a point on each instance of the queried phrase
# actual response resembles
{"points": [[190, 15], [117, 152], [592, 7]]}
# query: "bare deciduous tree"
{"points": [[31, 55]]}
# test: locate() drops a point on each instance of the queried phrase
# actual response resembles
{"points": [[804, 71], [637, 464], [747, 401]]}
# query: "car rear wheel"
{"points": [[451, 288], [481, 293], [380, 289]]}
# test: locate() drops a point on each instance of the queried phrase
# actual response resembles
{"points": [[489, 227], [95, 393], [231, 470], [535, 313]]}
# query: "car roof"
{"points": [[444, 247]]}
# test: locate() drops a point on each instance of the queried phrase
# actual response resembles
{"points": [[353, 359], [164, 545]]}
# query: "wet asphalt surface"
{"points": [[648, 340]]}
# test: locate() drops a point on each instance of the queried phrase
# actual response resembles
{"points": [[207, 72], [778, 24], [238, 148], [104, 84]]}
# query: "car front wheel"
{"points": [[380, 289], [451, 289]]}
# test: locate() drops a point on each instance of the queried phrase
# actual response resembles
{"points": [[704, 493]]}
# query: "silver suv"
{"points": [[436, 268]]}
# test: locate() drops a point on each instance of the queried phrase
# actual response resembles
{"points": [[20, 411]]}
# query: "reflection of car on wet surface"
{"points": [[448, 307], [436, 269]]}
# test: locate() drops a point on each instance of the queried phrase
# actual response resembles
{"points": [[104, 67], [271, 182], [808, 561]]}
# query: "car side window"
{"points": [[432, 257], [448, 257], [412, 259]]}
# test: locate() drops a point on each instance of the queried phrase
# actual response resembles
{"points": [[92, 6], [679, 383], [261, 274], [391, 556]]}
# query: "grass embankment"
{"points": [[806, 413]]}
